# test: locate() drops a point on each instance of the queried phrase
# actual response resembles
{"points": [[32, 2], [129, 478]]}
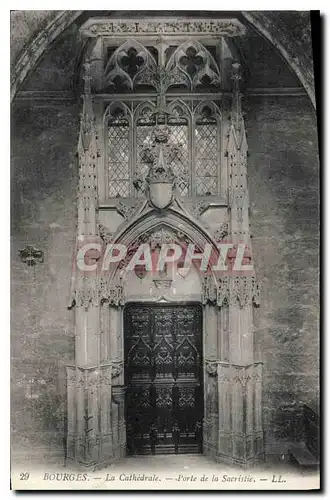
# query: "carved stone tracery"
{"points": [[240, 290], [128, 64], [93, 291], [192, 65]]}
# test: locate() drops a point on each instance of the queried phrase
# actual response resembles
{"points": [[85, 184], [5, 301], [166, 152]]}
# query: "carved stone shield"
{"points": [[161, 194]]}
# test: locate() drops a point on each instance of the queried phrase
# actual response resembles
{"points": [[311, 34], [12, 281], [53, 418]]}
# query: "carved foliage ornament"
{"points": [[128, 211], [211, 368], [105, 234], [222, 232], [116, 368], [240, 291], [160, 178], [240, 374], [93, 291], [88, 380], [198, 208], [222, 27], [209, 292]]}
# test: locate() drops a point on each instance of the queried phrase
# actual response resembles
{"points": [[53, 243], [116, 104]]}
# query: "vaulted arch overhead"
{"points": [[34, 44]]}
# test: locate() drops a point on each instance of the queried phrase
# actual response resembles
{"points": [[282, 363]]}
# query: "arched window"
{"points": [[119, 151], [144, 125], [179, 140], [207, 150], [195, 133]]}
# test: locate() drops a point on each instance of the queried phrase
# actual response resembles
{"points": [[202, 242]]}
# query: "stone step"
{"points": [[303, 456]]}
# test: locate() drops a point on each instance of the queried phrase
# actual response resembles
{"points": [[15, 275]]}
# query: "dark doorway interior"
{"points": [[163, 378]]}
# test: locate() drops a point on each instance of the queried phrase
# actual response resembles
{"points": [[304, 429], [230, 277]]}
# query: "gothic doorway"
{"points": [[163, 378]]}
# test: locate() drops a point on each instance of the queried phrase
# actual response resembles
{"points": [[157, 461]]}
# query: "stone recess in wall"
{"points": [[284, 224]]}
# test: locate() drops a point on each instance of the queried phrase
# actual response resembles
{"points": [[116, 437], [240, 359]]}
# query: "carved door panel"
{"points": [[163, 376]]}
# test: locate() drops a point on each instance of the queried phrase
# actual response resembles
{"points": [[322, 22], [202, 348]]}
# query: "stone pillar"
{"points": [[240, 435], [234, 375], [240, 431], [96, 432], [210, 350]]}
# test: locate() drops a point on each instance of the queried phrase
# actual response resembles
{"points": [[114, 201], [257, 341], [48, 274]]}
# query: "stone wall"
{"points": [[44, 186], [283, 182]]}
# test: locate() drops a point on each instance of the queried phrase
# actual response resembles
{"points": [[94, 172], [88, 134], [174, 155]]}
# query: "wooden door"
{"points": [[163, 376]]}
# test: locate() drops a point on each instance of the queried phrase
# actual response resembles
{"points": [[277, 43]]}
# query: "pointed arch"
{"points": [[207, 148], [180, 108], [118, 132], [34, 47], [142, 107], [193, 63], [144, 123], [214, 108], [128, 64], [175, 222], [180, 124]]}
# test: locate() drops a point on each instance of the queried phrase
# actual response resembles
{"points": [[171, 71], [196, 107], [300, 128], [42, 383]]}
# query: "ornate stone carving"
{"points": [[139, 182], [224, 376], [80, 379], [223, 292], [105, 380], [128, 63], [211, 368], [91, 291], [242, 290], [160, 181], [241, 376], [193, 65], [114, 294], [256, 294], [239, 290], [31, 255], [161, 79], [128, 211], [209, 292], [257, 372], [199, 207], [134, 27], [85, 293], [105, 234], [222, 232], [157, 238], [116, 368], [162, 282]]}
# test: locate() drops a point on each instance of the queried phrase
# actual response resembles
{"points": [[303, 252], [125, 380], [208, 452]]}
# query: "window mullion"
{"points": [[219, 149], [193, 157], [106, 158], [131, 155]]}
